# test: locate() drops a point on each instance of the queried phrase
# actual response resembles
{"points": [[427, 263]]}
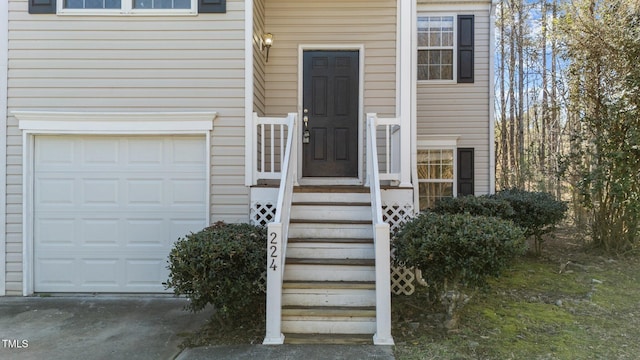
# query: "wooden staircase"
{"points": [[328, 293]]}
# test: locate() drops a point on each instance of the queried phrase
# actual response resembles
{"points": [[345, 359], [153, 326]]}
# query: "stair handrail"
{"points": [[381, 238], [278, 234]]}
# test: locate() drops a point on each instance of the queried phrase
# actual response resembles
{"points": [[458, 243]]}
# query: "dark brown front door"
{"points": [[330, 102]]}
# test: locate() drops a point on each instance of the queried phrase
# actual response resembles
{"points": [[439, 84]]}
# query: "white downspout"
{"points": [[249, 141], [492, 132], [4, 64], [406, 85]]}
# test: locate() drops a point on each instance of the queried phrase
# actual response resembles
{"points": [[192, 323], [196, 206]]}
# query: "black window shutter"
{"points": [[465, 171], [212, 6], [465, 48], [42, 6]]}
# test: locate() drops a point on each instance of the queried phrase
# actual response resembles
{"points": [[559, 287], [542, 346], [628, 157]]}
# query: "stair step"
{"points": [[335, 325], [328, 221], [331, 189], [328, 272], [332, 197], [331, 240], [334, 339], [330, 230], [329, 203], [344, 262], [329, 311], [325, 250], [367, 285], [331, 213]]}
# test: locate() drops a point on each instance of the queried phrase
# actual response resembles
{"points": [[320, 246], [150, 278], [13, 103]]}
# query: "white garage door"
{"points": [[107, 209]]}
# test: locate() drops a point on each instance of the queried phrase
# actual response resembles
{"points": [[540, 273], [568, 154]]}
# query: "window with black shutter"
{"points": [[465, 171], [42, 6], [212, 6], [116, 7], [445, 48], [465, 48]]}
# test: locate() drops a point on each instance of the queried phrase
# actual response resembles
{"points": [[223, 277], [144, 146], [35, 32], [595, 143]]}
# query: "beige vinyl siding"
{"points": [[462, 109], [332, 22], [129, 63]]}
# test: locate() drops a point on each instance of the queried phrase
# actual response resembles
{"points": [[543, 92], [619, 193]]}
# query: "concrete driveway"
{"points": [[95, 327]]}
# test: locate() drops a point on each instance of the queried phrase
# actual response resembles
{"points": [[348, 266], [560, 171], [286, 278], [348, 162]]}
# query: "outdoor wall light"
{"points": [[267, 41]]}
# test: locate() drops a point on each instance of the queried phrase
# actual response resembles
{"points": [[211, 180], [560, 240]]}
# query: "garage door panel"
{"points": [[145, 191], [56, 191], [145, 232], [55, 152], [145, 152], [55, 231], [56, 273], [100, 232], [107, 210], [145, 272], [99, 272], [99, 152], [103, 192]]}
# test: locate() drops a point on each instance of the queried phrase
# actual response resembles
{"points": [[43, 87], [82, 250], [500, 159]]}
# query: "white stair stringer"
{"points": [[329, 278]]}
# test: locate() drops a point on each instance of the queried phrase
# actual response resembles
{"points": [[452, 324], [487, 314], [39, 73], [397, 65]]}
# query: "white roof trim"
{"points": [[115, 122]]}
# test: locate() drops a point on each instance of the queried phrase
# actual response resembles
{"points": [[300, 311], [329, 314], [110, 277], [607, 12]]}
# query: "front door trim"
{"points": [[332, 47]]}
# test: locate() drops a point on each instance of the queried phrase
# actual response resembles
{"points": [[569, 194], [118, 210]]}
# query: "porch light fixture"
{"points": [[267, 41]]}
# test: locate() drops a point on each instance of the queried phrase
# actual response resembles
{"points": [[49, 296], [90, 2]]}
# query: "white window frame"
{"points": [[454, 78], [440, 143], [128, 9]]}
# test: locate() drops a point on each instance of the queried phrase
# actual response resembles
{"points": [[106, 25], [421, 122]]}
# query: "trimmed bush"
{"points": [[220, 265], [457, 250], [536, 212], [457, 253], [479, 206]]}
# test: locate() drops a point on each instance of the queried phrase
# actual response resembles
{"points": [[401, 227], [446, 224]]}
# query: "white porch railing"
{"points": [[381, 239], [387, 134], [269, 134], [278, 230]]}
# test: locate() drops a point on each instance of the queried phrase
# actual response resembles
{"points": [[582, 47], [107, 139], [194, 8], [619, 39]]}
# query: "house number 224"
{"points": [[273, 249]]}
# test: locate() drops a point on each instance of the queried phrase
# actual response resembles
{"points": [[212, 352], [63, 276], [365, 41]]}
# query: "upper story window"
{"points": [[436, 45], [135, 4], [127, 6], [446, 48]]}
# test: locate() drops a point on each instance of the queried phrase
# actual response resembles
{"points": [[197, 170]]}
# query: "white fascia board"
{"points": [[114, 122]]}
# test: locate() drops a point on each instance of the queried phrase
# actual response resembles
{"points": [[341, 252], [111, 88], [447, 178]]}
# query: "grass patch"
{"points": [[568, 304]]}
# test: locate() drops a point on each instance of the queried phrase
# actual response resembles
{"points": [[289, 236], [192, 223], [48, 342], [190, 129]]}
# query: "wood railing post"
{"points": [[274, 335]]}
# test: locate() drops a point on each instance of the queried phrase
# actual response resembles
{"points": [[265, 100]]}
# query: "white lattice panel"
{"points": [[402, 281], [262, 213], [396, 215], [262, 282]]}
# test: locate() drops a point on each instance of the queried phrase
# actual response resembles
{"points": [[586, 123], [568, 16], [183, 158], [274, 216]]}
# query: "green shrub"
{"points": [[536, 212], [457, 250], [480, 206], [220, 265], [457, 253]]}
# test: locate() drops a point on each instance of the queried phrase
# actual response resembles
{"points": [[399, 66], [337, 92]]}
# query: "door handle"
{"points": [[306, 136]]}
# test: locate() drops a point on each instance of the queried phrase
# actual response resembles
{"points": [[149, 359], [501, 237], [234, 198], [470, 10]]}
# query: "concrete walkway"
{"points": [[289, 352]]}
